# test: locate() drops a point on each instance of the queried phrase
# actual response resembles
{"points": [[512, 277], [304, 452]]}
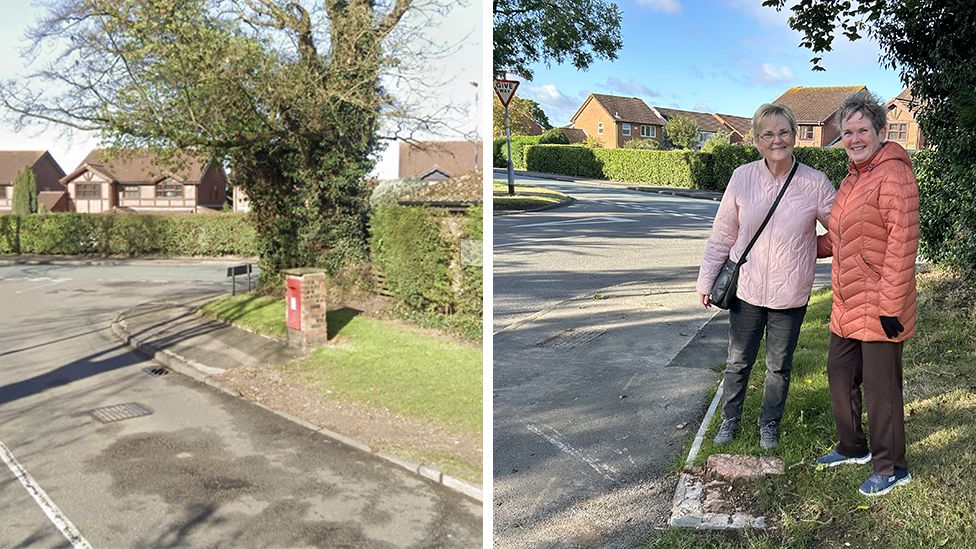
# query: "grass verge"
{"points": [[822, 508], [526, 197], [385, 366]]}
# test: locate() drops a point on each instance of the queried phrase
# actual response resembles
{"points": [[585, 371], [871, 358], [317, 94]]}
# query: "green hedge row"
{"points": [[419, 251], [676, 168], [177, 235]]}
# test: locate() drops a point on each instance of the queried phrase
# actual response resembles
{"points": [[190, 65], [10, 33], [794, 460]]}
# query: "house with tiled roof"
{"points": [[903, 128], [455, 194], [708, 124], [575, 135], [47, 174], [815, 109], [739, 126], [139, 180], [616, 120], [438, 160]]}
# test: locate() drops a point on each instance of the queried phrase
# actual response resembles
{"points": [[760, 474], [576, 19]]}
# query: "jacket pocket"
{"points": [[869, 270]]}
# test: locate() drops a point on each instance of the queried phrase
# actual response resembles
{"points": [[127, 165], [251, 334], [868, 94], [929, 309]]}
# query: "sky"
{"points": [[458, 34], [724, 56]]}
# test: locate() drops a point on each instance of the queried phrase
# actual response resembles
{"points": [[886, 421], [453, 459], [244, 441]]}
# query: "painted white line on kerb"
{"points": [[50, 509]]}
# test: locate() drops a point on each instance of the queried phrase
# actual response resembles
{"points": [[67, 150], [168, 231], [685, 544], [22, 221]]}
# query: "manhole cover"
{"points": [[571, 338], [156, 371], [119, 412]]}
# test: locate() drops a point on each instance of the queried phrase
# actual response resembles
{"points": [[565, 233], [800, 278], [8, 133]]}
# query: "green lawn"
{"points": [[526, 197], [385, 365], [822, 508]]}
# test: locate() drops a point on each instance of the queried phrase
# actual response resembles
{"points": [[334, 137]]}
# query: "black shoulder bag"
{"points": [[723, 289]]}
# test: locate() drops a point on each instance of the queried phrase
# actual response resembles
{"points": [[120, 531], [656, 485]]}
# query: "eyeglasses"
{"points": [[769, 136]]}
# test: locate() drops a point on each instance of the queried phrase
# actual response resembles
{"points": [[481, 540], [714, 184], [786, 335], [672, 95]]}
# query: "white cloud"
{"points": [[770, 75], [630, 87], [559, 108], [702, 107], [667, 6]]}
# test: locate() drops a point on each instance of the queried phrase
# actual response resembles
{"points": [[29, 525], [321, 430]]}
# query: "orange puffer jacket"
{"points": [[873, 236]]}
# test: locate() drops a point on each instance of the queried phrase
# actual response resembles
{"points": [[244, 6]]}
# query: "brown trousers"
{"points": [[876, 365]]}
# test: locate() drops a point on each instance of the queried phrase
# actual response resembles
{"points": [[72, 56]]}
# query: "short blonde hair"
{"points": [[772, 109]]}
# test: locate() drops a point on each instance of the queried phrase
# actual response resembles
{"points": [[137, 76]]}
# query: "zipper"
{"points": [[857, 177]]}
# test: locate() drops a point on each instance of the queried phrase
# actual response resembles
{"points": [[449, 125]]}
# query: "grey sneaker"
{"points": [[726, 431], [769, 435]]}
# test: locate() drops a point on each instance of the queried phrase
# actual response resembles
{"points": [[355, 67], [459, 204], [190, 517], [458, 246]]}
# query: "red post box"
{"points": [[293, 302]]}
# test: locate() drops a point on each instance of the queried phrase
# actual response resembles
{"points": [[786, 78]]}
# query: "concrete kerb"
{"points": [[205, 375], [560, 204], [714, 196]]}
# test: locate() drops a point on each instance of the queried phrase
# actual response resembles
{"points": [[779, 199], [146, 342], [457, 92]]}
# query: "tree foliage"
{"points": [[682, 131], [530, 31], [932, 44], [25, 192], [290, 96], [554, 136], [645, 144], [522, 113]]}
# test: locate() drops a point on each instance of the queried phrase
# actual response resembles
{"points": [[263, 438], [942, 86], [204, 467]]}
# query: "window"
{"points": [[897, 131], [806, 132], [3, 192], [168, 188], [88, 190], [647, 131], [599, 128], [626, 129], [130, 192]]}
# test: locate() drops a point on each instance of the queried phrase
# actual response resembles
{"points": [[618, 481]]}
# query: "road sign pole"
{"points": [[508, 137]]}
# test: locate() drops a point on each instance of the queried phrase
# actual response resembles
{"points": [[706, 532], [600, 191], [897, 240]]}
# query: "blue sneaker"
{"points": [[879, 485], [834, 459]]}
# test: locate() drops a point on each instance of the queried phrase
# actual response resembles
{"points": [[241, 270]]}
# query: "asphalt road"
{"points": [[603, 362], [204, 469]]}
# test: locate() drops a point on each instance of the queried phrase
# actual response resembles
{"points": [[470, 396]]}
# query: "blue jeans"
{"points": [[746, 326]]}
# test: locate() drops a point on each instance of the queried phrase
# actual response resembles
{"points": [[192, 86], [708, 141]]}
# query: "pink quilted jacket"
{"points": [[779, 270]]}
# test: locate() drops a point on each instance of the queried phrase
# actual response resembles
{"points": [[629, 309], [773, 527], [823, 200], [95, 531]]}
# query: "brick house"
{"points": [[616, 120], [438, 160], [708, 124], [902, 126], [47, 174], [739, 126], [138, 180], [815, 108]]}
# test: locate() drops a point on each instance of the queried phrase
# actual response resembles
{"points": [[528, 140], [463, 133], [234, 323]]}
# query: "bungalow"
{"points": [[739, 126], [903, 128], [139, 180], [455, 194], [708, 124], [815, 109], [46, 170], [616, 120], [438, 160]]}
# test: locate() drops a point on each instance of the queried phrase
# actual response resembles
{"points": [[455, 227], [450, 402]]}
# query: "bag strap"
{"points": [[772, 208]]}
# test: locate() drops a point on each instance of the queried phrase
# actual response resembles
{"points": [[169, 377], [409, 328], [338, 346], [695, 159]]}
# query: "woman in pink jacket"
{"points": [[775, 282]]}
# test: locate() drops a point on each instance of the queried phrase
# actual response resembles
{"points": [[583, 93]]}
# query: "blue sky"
{"points": [[457, 36], [726, 56]]}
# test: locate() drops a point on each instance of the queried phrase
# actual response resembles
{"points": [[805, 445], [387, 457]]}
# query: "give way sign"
{"points": [[505, 89]]}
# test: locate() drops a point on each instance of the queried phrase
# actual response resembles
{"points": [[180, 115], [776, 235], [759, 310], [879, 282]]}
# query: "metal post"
{"points": [[248, 278], [508, 134], [233, 290]]}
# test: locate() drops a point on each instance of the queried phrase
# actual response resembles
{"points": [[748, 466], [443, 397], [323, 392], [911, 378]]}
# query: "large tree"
{"points": [[530, 31], [682, 132], [521, 112], [288, 92], [932, 43]]}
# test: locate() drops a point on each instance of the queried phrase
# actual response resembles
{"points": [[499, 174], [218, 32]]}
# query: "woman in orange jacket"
{"points": [[873, 237]]}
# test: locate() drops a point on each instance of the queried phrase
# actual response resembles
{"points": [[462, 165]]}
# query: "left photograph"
{"points": [[241, 273]]}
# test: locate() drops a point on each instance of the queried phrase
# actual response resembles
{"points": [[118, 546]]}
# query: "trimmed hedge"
{"points": [[675, 168], [419, 251], [497, 158], [519, 144], [78, 234]]}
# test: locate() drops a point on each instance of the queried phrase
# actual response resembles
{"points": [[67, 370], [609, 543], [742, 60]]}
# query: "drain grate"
{"points": [[570, 339], [156, 371], [118, 412]]}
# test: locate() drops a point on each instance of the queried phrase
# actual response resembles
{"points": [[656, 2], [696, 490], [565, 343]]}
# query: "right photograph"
{"points": [[732, 274]]}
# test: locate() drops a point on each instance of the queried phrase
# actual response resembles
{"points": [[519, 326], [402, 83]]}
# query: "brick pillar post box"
{"points": [[305, 307]]}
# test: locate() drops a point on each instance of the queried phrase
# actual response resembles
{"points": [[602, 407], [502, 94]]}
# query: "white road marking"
{"points": [[50, 509], [54, 281], [556, 439], [581, 221]]}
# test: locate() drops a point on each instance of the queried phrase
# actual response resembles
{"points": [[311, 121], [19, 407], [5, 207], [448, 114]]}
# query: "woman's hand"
{"points": [[705, 300]]}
